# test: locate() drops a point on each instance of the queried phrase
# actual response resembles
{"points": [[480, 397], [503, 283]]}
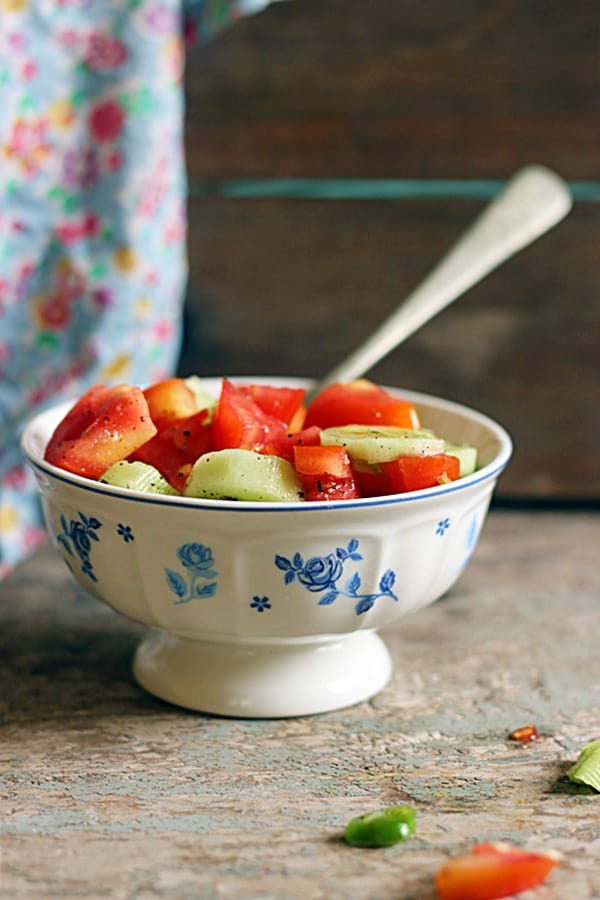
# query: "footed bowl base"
{"points": [[283, 678]]}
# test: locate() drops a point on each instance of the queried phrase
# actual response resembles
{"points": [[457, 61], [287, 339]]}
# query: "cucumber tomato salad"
{"points": [[254, 441]]}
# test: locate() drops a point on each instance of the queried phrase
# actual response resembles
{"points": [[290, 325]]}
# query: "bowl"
{"points": [[269, 609]]}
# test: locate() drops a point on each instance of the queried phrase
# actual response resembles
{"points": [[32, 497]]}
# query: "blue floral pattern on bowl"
{"points": [[77, 539], [321, 574], [198, 562]]}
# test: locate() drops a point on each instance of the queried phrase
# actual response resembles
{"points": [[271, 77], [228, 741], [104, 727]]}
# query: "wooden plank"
{"points": [[439, 90]]}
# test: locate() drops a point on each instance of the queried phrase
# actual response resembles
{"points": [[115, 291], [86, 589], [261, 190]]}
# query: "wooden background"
{"points": [[449, 93]]}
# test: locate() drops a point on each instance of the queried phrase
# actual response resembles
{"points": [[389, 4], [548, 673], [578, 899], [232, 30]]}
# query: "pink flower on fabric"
{"points": [[29, 69], [80, 167], [54, 312], [105, 52], [102, 298], [33, 538], [16, 477], [162, 18], [113, 161], [16, 40], [75, 230], [163, 330], [68, 38], [27, 144], [107, 120]]}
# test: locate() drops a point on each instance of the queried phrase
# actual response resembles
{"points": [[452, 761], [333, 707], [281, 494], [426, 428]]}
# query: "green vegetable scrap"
{"points": [[381, 828], [586, 769]]}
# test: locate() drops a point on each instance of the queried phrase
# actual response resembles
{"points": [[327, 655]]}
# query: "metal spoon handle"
{"points": [[532, 202]]}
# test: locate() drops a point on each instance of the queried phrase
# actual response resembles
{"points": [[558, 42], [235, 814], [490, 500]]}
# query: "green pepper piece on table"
{"points": [[381, 828]]}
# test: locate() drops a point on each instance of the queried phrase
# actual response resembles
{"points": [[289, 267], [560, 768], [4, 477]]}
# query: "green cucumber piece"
{"points": [[467, 457], [382, 443], [204, 400], [137, 476], [586, 769], [237, 474]]}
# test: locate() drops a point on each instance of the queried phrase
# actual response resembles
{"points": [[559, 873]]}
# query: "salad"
{"points": [[258, 442]]}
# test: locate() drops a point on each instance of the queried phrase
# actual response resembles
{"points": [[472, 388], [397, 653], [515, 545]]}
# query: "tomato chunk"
{"points": [[169, 400], [81, 415], [370, 480], [491, 871], [121, 425], [413, 473], [240, 422], [283, 444], [360, 403], [282, 403], [177, 446], [326, 473]]}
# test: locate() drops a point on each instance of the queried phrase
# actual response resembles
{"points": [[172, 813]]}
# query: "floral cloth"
{"points": [[92, 209]]}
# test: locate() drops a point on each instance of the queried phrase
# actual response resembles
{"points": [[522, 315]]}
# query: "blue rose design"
{"points": [[80, 537], [77, 537], [200, 579], [320, 572], [195, 556]]}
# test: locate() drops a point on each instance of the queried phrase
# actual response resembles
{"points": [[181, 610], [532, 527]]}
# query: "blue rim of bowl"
{"points": [[488, 473]]}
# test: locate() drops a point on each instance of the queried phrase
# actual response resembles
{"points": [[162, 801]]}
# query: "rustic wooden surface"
{"points": [[397, 91], [107, 792]]}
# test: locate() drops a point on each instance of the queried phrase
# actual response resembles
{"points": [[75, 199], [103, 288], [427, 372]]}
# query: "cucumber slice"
{"points": [[586, 768], [237, 474], [382, 443], [467, 457], [204, 400], [137, 476]]}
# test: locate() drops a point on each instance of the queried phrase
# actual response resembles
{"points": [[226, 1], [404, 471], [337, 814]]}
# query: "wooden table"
{"points": [[110, 793]]}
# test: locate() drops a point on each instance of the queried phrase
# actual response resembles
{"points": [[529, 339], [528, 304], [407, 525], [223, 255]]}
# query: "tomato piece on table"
{"points": [[177, 446], [169, 400], [326, 473], [239, 422], [282, 403], [82, 414], [121, 425], [491, 871], [413, 473], [360, 402]]}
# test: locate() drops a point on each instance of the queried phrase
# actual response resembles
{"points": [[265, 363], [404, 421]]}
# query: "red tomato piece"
{"points": [[326, 473], [81, 414], [240, 422], [330, 460], [360, 403], [122, 424], [283, 445], [283, 403], [413, 473], [329, 487], [370, 481], [491, 871], [169, 400], [177, 446]]}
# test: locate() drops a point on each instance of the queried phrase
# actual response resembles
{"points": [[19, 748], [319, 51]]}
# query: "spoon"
{"points": [[533, 201]]}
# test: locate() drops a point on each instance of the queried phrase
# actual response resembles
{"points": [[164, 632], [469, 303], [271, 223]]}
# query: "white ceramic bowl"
{"points": [[269, 609]]}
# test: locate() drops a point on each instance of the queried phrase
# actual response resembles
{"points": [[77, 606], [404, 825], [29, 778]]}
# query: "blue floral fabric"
{"points": [[92, 209]]}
